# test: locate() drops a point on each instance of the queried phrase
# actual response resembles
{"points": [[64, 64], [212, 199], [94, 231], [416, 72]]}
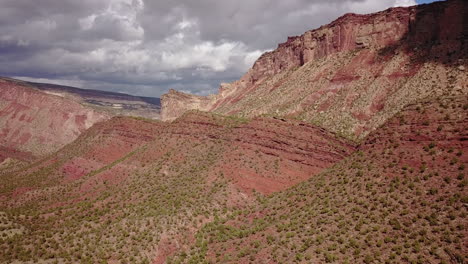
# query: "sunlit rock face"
{"points": [[352, 75]]}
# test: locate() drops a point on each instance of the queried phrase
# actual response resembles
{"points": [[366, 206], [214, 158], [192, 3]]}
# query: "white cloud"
{"points": [[405, 3], [133, 45], [86, 23], [217, 57]]}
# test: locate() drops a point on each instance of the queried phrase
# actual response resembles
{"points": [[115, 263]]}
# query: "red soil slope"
{"points": [[36, 124], [173, 175], [400, 199], [262, 154]]}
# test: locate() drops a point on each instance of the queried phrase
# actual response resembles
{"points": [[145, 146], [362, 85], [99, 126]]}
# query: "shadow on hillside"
{"points": [[438, 32]]}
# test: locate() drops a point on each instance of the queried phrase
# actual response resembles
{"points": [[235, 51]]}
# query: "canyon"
{"points": [[347, 144]]}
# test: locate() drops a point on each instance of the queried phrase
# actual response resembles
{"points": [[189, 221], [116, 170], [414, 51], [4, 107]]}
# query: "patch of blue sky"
{"points": [[425, 1]]}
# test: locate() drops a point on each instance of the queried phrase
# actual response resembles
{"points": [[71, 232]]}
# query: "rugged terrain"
{"points": [[345, 145], [352, 75], [34, 124], [135, 190], [38, 119], [401, 198]]}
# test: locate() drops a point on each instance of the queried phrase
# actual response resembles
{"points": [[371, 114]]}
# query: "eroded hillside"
{"points": [[37, 119], [352, 75], [400, 199], [136, 190], [34, 124]]}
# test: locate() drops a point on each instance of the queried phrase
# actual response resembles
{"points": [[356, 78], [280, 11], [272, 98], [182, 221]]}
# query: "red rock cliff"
{"points": [[353, 74]]}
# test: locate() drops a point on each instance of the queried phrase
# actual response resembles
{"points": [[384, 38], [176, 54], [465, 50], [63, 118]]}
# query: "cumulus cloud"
{"points": [[147, 47], [405, 3]]}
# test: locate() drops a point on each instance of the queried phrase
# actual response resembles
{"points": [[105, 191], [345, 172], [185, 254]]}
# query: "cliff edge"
{"points": [[351, 75]]}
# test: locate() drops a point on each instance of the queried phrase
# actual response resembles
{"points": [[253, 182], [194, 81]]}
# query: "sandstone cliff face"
{"points": [[175, 104], [36, 123], [352, 75]]}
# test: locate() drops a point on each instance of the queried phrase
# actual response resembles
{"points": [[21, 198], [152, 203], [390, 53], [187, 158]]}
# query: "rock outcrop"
{"points": [[352, 75], [174, 104]]}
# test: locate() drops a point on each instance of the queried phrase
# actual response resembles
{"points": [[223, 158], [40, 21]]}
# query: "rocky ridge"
{"points": [[352, 75]]}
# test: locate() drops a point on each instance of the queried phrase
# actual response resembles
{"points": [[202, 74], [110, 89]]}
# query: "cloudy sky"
{"points": [[145, 47]]}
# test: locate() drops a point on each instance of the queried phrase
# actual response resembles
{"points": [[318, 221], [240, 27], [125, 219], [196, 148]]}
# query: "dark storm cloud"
{"points": [[256, 23], [147, 47]]}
